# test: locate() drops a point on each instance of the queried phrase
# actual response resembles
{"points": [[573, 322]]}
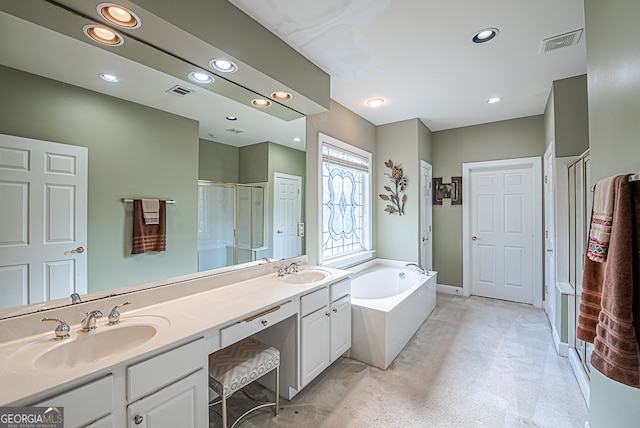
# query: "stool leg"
{"points": [[277, 400], [224, 411]]}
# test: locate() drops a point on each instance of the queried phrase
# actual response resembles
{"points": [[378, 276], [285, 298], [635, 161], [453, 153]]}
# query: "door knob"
{"points": [[475, 238], [78, 250], [424, 239], [138, 419], [279, 231]]}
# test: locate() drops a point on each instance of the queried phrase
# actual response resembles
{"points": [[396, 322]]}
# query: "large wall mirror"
{"points": [[152, 134]]}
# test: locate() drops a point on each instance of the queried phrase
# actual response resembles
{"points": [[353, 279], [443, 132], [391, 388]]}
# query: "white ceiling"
{"points": [[418, 54]]}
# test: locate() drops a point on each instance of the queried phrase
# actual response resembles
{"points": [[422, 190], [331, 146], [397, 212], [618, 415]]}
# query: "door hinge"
{"points": [[546, 289], [546, 234], [546, 179]]}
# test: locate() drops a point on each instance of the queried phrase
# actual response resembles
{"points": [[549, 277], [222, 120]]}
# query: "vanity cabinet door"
{"points": [[314, 344], [340, 327], [182, 404]]}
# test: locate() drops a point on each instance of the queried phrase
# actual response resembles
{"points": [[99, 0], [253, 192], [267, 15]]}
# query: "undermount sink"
{"points": [[84, 348], [306, 276]]}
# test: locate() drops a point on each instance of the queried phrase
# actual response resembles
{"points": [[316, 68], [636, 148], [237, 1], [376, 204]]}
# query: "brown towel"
{"points": [[616, 351], [148, 237]]}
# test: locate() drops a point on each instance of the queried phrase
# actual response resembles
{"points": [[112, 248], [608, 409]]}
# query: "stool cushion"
{"points": [[237, 365]]}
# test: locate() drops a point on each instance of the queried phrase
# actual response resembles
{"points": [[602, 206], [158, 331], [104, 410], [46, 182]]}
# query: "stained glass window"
{"points": [[345, 200]]}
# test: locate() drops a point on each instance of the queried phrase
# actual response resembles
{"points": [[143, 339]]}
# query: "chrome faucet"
{"points": [[422, 271], [75, 298], [114, 315], [293, 267], [62, 330], [89, 322]]}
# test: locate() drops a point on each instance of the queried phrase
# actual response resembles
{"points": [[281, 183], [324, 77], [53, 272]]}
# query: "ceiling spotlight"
{"points": [[111, 78], [485, 35], [375, 102], [103, 35], [281, 96], [118, 15], [297, 139], [261, 102], [199, 77], [232, 118], [494, 100], [223, 65]]}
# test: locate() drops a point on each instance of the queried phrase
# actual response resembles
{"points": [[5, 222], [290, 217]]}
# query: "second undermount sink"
{"points": [[84, 348], [306, 276]]}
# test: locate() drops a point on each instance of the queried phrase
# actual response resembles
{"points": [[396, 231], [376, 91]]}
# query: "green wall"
{"points": [[399, 235], [570, 110], [516, 138], [218, 162], [344, 125], [153, 154], [613, 79]]}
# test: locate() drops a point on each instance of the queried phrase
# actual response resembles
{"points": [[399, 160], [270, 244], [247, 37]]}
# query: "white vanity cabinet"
{"points": [[325, 328], [169, 390], [88, 405]]}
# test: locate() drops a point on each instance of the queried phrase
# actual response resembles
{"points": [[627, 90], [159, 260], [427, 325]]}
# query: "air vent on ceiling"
{"points": [[557, 42], [179, 90], [234, 130]]}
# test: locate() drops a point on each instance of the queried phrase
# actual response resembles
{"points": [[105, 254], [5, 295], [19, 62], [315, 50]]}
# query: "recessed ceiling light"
{"points": [[281, 95], [103, 35], [494, 100], [297, 139], [261, 102], [223, 65], [375, 102], [232, 118], [111, 78], [118, 15], [485, 35], [199, 77]]}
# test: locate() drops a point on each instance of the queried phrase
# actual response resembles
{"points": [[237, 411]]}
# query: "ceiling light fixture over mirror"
{"points": [[223, 65], [118, 15], [103, 35], [485, 35]]}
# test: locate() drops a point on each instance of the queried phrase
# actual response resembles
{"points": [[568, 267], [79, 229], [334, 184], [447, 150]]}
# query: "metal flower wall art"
{"points": [[395, 197]]}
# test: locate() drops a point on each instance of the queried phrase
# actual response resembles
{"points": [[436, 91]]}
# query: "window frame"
{"points": [[349, 258]]}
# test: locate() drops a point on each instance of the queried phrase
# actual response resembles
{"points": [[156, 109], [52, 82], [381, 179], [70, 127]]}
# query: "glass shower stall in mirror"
{"points": [[231, 223]]}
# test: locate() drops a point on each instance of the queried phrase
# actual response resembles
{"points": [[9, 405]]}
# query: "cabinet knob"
{"points": [[265, 322], [328, 314], [335, 310], [138, 419]]}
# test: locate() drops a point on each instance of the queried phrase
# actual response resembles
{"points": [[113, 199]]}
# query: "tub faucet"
{"points": [[422, 271], [89, 321]]}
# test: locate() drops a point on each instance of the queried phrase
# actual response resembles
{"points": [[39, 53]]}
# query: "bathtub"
{"points": [[389, 302]]}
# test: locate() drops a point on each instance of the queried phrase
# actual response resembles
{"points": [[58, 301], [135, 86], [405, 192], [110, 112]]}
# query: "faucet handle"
{"points": [[62, 330], [114, 315], [75, 298]]}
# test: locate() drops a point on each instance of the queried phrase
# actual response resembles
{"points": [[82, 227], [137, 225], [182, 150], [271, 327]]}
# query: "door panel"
{"points": [[426, 220], [43, 192], [287, 216], [502, 234]]}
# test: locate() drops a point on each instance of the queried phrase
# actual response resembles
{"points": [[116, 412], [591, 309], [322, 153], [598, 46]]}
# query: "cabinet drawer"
{"points": [[96, 398], [151, 375], [340, 289], [245, 328], [313, 301]]}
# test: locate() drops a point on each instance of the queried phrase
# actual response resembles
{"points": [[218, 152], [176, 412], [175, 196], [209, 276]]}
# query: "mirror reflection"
{"points": [[142, 141]]}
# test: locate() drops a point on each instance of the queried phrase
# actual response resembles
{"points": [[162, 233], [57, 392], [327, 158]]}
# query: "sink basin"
{"points": [[95, 346], [84, 348], [307, 276]]}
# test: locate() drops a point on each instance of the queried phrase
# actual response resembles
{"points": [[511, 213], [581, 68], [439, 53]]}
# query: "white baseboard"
{"points": [[581, 377], [561, 348], [448, 289]]}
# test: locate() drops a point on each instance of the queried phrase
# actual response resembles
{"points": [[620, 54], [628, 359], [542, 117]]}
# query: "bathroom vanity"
{"points": [[150, 370]]}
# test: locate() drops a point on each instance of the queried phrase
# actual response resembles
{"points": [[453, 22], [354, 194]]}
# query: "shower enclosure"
{"points": [[231, 223]]}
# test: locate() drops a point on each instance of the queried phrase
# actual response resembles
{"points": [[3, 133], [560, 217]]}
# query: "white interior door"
{"points": [[43, 220], [287, 216], [549, 233], [502, 231], [426, 218]]}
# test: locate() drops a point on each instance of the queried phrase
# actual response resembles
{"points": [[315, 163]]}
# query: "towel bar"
{"points": [[124, 201], [634, 177]]}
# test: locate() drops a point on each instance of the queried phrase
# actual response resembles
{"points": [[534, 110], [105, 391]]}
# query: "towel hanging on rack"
{"points": [[148, 237]]}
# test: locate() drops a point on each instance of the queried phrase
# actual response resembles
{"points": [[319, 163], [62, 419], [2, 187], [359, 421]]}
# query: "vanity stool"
{"points": [[236, 366]]}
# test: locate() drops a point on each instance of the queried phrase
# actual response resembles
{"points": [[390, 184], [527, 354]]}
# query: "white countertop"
{"points": [[190, 317]]}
